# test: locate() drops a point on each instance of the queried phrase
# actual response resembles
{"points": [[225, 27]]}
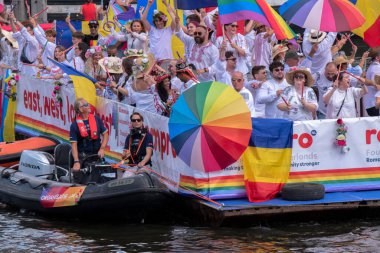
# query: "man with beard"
{"points": [[203, 55], [323, 82], [271, 91]]}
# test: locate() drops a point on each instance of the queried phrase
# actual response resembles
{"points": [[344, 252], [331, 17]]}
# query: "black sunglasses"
{"points": [[93, 26], [198, 33], [136, 120]]}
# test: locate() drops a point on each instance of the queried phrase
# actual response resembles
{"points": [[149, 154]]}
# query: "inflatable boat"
{"points": [[42, 183], [10, 152]]}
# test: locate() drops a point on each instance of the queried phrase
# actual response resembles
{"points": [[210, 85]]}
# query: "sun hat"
{"points": [[8, 36], [316, 36], [305, 71], [341, 59], [111, 64], [277, 49]]}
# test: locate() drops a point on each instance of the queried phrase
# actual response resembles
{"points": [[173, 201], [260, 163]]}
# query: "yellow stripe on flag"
{"points": [[267, 165], [84, 88]]}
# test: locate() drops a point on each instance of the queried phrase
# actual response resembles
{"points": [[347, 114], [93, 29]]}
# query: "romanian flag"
{"points": [[64, 33], [267, 159], [7, 112], [369, 31], [195, 4], [83, 84], [258, 10]]}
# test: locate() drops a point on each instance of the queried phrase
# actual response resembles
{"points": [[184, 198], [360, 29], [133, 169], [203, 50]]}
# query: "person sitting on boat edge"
{"points": [[138, 147], [85, 134]]}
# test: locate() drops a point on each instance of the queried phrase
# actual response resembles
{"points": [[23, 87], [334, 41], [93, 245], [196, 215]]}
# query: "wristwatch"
{"points": [[76, 161]]}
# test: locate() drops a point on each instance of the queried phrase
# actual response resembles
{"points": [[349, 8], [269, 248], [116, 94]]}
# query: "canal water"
{"points": [[22, 232]]}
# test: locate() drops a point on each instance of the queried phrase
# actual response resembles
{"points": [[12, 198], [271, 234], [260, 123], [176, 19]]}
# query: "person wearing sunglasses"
{"points": [[138, 147], [225, 67], [237, 80], [298, 101], [235, 42], [270, 92], [85, 135], [88, 38]]}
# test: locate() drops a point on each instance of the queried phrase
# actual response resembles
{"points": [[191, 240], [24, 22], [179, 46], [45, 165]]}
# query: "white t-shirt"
{"points": [[267, 95], [298, 111], [348, 109], [246, 94], [161, 43], [369, 98], [323, 84], [259, 108]]}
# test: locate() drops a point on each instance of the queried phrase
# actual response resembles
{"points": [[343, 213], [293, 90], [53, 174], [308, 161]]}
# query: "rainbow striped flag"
{"points": [[267, 159], [258, 10], [369, 31]]}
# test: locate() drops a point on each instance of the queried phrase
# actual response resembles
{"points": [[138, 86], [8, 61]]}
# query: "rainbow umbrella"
{"points": [[210, 126], [323, 15]]}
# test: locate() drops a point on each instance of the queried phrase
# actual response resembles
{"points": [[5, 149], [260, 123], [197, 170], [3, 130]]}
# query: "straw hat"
{"points": [[341, 59], [8, 36], [112, 64], [306, 72], [316, 36], [277, 49], [377, 79], [143, 64]]}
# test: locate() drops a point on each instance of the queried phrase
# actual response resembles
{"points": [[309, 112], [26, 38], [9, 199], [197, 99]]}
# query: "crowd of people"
{"points": [[304, 80]]}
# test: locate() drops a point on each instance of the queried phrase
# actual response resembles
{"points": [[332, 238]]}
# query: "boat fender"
{"points": [[303, 191]]}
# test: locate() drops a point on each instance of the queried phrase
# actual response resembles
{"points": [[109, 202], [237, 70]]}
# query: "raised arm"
{"points": [[71, 27], [172, 14], [144, 14]]}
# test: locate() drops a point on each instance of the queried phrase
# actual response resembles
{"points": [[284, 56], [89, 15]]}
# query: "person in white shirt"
{"points": [[225, 67], [46, 41], [340, 98], [373, 70], [323, 81], [259, 75], [323, 55], [238, 84], [270, 91], [264, 40], [203, 55], [186, 76], [28, 45], [298, 100], [79, 60], [235, 42], [134, 34], [187, 39], [160, 36]]}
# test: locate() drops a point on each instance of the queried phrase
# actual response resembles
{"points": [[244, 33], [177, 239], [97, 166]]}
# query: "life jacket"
{"points": [[83, 129]]}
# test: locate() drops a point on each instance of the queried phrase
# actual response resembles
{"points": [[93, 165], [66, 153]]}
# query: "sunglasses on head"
{"points": [[198, 33], [278, 69], [136, 120]]}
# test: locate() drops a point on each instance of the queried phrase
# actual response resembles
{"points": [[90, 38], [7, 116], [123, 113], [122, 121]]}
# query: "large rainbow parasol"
{"points": [[210, 126]]}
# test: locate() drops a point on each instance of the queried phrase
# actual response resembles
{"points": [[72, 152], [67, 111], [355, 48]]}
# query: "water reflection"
{"points": [[27, 233]]}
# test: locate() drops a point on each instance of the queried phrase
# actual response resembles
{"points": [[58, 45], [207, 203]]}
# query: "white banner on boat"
{"points": [[313, 141]]}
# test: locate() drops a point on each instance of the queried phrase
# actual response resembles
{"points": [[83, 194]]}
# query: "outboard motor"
{"points": [[37, 163]]}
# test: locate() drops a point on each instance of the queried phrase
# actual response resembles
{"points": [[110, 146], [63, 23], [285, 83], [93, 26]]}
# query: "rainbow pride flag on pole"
{"points": [[258, 10], [370, 30], [268, 157]]}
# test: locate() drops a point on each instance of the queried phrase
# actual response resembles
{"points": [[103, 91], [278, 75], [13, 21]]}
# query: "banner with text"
{"points": [[315, 157]]}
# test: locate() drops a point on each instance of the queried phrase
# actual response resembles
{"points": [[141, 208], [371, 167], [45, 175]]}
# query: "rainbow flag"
{"points": [[258, 10], [369, 31], [83, 84], [268, 157]]}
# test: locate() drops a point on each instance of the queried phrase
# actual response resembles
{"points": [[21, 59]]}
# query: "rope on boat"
{"points": [[163, 179]]}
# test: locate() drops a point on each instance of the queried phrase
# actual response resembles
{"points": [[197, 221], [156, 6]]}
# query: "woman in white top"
{"points": [[134, 34], [55, 71], [79, 60], [340, 98], [93, 69], [299, 101]]}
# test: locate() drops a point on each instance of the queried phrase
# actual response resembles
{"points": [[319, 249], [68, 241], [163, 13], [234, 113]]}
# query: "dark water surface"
{"points": [[22, 232]]}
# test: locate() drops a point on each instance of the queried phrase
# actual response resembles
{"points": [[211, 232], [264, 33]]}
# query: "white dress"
{"points": [[298, 111]]}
